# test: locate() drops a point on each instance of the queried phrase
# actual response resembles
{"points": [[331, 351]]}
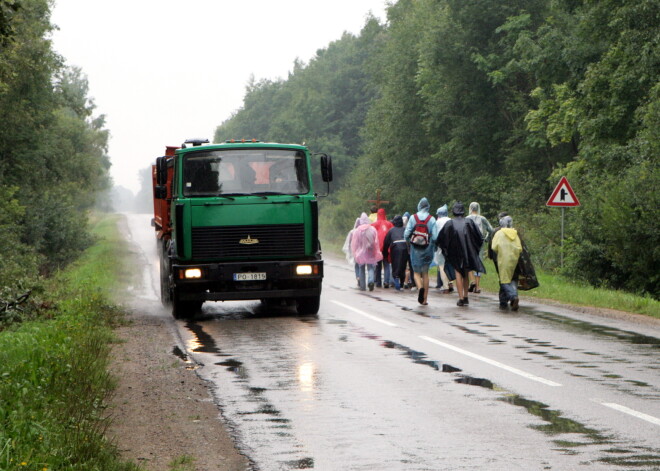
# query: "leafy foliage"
{"points": [[52, 150], [490, 101]]}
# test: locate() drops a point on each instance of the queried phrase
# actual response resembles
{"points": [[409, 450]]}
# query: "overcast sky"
{"points": [[166, 70]]}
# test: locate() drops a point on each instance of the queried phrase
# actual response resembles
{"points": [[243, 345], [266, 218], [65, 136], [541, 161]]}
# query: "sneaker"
{"points": [[460, 302], [514, 304], [472, 287], [397, 284], [371, 286], [386, 285], [450, 289], [465, 301]]}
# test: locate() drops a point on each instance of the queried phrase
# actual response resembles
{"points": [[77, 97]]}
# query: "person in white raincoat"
{"points": [[439, 259], [506, 248], [486, 232], [349, 253]]}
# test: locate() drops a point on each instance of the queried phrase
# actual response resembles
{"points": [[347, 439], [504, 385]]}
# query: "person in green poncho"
{"points": [[505, 249]]}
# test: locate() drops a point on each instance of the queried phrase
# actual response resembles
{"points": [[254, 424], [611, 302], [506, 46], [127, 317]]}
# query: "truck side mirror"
{"points": [[161, 171], [326, 167]]}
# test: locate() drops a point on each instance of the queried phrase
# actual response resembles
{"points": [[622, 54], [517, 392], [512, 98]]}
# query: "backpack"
{"points": [[420, 236]]}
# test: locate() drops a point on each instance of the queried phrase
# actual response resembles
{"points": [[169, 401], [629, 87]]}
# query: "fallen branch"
{"points": [[7, 305]]}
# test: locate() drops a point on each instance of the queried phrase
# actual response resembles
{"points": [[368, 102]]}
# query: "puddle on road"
{"points": [[177, 352], [603, 330], [420, 358], [202, 342], [305, 463]]}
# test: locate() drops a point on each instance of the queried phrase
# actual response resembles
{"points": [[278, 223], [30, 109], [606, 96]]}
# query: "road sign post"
{"points": [[563, 197]]}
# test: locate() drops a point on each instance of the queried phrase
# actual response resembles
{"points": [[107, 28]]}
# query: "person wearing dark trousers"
{"points": [[460, 241]]}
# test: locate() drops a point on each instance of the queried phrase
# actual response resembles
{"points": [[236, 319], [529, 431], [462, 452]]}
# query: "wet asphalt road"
{"points": [[377, 382]]}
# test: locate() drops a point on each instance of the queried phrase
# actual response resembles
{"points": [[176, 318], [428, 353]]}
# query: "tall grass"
{"points": [[54, 383]]}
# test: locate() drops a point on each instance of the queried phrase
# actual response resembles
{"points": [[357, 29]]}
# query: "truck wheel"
{"points": [[184, 309], [164, 284], [308, 305], [164, 274]]}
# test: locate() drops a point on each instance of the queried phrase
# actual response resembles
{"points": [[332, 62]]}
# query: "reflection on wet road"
{"points": [[377, 382]]}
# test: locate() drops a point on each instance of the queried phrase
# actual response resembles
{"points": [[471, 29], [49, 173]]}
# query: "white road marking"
{"points": [[634, 413], [491, 362], [374, 318]]}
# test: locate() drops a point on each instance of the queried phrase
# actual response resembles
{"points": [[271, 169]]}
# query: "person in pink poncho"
{"points": [[366, 251]]}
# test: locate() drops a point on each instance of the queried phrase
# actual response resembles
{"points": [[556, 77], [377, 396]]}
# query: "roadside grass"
{"points": [[557, 288], [182, 463], [54, 384]]}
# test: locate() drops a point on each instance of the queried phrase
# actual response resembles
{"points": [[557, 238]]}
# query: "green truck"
{"points": [[238, 221]]}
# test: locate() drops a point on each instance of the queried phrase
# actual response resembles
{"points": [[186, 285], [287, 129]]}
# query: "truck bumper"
{"points": [[272, 279]]}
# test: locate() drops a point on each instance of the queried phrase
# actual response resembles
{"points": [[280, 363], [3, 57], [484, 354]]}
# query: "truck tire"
{"points": [[164, 274], [184, 309], [164, 283], [309, 305]]}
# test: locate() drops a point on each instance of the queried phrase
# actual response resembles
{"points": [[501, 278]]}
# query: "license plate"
{"points": [[249, 276]]}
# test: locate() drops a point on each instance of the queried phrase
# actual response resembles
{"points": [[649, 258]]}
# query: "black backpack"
{"points": [[420, 236]]}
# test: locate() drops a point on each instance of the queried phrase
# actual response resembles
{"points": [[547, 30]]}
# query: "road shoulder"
{"points": [[161, 409]]}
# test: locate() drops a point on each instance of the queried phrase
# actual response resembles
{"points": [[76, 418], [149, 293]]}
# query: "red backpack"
{"points": [[420, 236]]}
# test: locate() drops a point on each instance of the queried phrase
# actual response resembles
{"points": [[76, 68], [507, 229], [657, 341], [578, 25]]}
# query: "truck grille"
{"points": [[283, 240]]}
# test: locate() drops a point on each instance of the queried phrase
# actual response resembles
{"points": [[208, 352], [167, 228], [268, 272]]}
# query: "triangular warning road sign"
{"points": [[563, 195]]}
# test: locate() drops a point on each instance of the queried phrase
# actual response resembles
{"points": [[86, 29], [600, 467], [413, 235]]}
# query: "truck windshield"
{"points": [[245, 172]]}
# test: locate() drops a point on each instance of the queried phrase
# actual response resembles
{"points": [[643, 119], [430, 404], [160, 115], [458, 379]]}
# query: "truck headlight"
{"points": [[303, 270], [192, 273]]}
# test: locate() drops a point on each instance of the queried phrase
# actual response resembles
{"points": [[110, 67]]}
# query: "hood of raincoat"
{"points": [[443, 211], [510, 233], [397, 221], [506, 221], [458, 209], [381, 215], [475, 207], [364, 219], [423, 205]]}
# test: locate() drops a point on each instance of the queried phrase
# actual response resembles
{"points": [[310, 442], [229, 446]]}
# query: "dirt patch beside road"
{"points": [[162, 411]]}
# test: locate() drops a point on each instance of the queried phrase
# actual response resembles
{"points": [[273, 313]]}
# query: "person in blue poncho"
{"points": [[421, 254]]}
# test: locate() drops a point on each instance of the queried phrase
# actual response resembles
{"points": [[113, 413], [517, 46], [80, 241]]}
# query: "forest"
{"points": [[53, 152], [470, 100], [490, 101]]}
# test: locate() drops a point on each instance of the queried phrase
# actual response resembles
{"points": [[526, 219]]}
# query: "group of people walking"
{"points": [[383, 251]]}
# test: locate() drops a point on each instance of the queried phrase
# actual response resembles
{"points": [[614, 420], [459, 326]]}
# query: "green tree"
{"points": [[52, 148]]}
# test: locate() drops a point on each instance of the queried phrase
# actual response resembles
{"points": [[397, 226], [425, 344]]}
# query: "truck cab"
{"points": [[241, 223]]}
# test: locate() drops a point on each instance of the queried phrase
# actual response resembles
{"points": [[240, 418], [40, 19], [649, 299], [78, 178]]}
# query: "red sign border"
{"points": [[563, 180]]}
